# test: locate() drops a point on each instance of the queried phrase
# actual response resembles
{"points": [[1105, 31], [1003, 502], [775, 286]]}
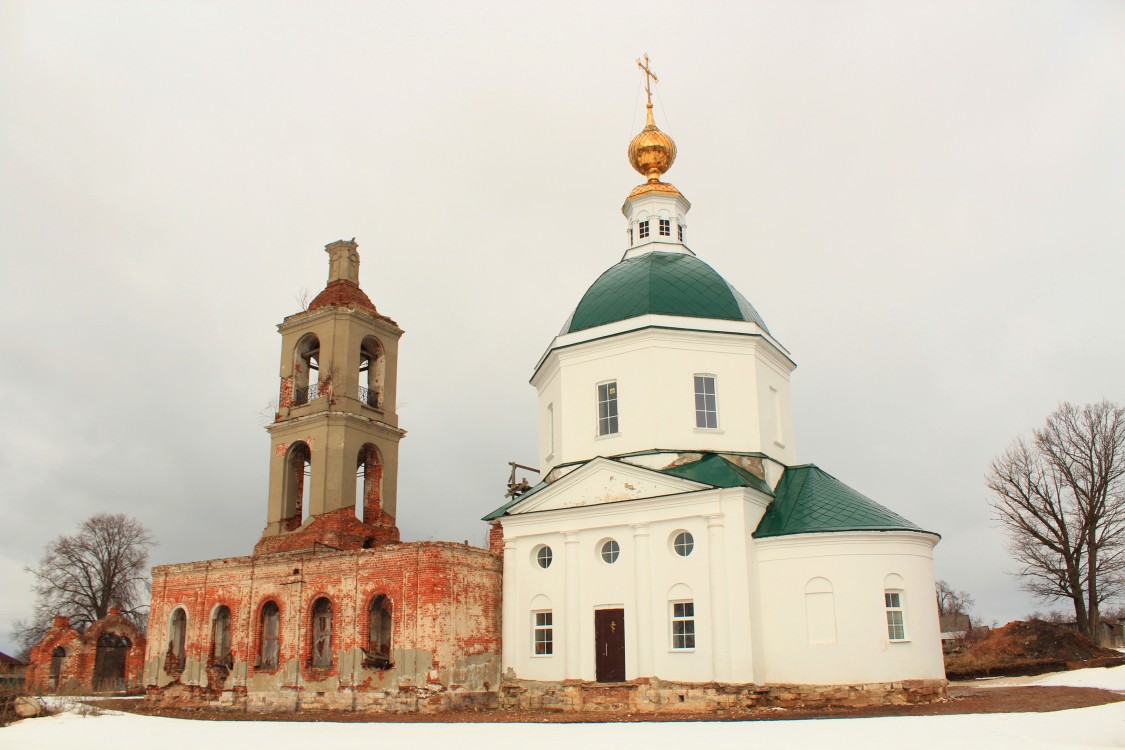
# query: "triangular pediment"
{"points": [[602, 481]]}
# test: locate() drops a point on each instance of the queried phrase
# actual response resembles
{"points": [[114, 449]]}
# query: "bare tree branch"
{"points": [[83, 576], [1061, 498]]}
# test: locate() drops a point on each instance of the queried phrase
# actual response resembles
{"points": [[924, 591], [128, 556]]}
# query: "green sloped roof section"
{"points": [[503, 509], [809, 500], [716, 471], [664, 284]]}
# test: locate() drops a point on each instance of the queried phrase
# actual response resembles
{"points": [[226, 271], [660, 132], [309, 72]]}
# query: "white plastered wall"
{"points": [[639, 582], [793, 634], [654, 368]]}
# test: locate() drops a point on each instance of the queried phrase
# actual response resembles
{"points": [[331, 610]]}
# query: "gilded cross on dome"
{"points": [[650, 77], [651, 152]]}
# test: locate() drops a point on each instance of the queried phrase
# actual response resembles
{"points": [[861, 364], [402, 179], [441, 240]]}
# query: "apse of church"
{"points": [[331, 610]]}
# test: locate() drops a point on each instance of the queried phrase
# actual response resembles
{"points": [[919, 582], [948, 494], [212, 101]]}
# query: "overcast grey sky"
{"points": [[923, 200]]}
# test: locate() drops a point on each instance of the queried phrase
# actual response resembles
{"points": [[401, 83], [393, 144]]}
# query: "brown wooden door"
{"points": [[609, 640]]}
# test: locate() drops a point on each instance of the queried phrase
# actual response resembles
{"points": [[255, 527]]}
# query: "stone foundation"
{"points": [[654, 695], [405, 699]]}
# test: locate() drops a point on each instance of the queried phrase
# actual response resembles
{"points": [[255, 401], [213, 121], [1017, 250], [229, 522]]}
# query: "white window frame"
{"points": [[607, 554], [687, 618], [642, 227], [610, 420], [701, 414], [689, 545], [539, 557], [681, 232], [542, 623], [896, 615], [665, 227]]}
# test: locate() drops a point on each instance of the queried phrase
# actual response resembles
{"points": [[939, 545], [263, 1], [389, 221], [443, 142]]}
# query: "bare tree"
{"points": [[1061, 498], [82, 576], [951, 602]]}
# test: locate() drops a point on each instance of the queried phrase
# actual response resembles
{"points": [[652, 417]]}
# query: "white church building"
{"points": [[674, 542]]}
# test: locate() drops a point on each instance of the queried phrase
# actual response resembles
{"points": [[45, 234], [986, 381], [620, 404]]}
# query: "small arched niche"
{"points": [[306, 369], [820, 611], [296, 484], [369, 484], [380, 632], [372, 372]]}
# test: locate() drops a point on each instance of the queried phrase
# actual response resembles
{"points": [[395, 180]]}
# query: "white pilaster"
{"points": [[642, 576], [720, 618], [572, 609], [509, 615]]}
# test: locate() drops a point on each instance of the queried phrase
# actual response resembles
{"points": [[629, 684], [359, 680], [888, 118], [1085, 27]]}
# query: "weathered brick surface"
{"points": [[77, 669], [445, 642], [654, 695], [337, 529]]}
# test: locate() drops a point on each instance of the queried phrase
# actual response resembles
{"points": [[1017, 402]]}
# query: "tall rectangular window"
{"points": [[706, 407], [607, 408], [643, 227], [683, 626], [543, 634], [896, 623], [680, 227], [665, 227], [630, 236]]}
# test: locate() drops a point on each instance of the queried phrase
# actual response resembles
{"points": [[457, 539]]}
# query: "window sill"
{"points": [[607, 437], [681, 651], [712, 430], [541, 656], [779, 444], [898, 640]]}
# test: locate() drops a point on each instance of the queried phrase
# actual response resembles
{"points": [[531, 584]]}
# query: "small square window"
{"points": [[607, 408], [683, 626], [706, 407], [896, 618], [665, 228], [543, 633], [643, 227]]}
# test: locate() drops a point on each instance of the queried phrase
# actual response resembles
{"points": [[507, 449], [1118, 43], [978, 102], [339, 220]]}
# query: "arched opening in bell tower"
{"points": [[295, 492], [372, 372], [369, 484], [306, 369]]}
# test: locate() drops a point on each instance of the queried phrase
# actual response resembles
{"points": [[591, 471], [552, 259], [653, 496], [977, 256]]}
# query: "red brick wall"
{"points": [[446, 624], [77, 672]]}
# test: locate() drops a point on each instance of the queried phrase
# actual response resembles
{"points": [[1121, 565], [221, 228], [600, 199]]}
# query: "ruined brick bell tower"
{"points": [[334, 442]]}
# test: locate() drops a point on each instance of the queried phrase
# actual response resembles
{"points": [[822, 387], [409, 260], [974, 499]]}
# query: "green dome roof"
{"points": [[663, 284]]}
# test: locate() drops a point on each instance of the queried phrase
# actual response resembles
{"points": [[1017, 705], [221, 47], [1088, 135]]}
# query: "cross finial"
{"points": [[650, 78]]}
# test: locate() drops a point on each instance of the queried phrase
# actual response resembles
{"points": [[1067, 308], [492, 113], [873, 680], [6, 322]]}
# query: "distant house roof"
{"points": [[10, 660], [810, 500]]}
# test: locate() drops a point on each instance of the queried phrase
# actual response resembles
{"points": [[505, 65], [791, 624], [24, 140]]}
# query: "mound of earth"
{"points": [[1031, 647]]}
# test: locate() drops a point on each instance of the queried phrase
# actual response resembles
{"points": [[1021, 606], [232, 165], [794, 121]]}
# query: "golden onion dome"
{"points": [[652, 152]]}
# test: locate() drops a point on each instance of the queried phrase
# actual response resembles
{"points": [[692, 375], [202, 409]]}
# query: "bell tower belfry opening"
{"points": [[334, 441]]}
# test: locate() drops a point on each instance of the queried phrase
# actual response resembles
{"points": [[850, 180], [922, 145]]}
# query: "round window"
{"points": [[611, 550], [543, 557], [683, 543]]}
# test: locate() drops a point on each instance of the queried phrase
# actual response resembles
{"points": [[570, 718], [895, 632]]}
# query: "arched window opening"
{"points": [[306, 370], [57, 657], [322, 633], [220, 638], [297, 484], [109, 662], [369, 484], [177, 636], [372, 372], [270, 645], [380, 618]]}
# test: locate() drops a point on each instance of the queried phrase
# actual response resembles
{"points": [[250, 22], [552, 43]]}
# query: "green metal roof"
{"points": [[661, 283], [810, 500], [715, 470]]}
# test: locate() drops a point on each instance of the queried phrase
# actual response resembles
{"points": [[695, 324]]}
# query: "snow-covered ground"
{"points": [[1097, 727]]}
